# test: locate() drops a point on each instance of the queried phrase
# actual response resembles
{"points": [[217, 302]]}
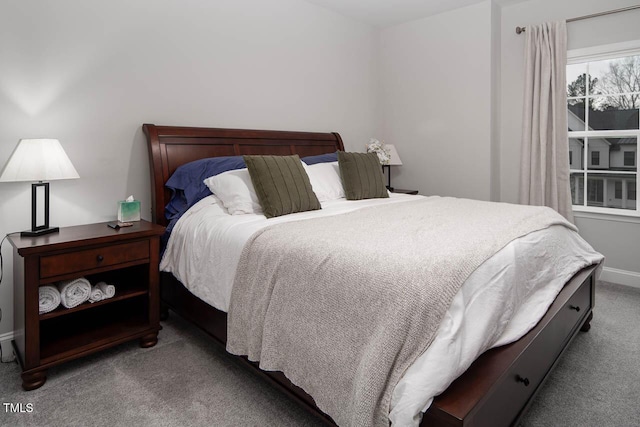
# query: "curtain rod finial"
{"points": [[520, 30]]}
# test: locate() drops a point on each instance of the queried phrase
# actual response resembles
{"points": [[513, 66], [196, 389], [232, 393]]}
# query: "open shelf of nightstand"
{"points": [[67, 336], [130, 282], [61, 311]]}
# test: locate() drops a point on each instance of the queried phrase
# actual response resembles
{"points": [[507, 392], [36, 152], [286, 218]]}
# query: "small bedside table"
{"points": [[400, 190], [127, 258]]}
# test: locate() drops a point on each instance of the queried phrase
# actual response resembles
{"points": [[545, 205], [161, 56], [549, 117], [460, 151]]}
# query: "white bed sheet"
{"points": [[205, 246]]}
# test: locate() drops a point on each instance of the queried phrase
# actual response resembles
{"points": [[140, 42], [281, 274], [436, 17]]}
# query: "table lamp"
{"points": [[394, 160], [38, 160]]}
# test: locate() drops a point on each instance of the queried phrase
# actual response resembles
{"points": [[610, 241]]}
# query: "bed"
{"points": [[495, 390]]}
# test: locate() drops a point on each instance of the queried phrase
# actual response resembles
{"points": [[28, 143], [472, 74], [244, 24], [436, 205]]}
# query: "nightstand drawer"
{"points": [[69, 262]]}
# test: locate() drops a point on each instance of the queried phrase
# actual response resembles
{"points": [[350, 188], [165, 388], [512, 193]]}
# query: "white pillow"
{"points": [[325, 180], [235, 191]]}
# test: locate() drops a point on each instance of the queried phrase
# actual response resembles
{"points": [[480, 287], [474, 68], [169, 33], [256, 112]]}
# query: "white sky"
{"points": [[596, 69]]}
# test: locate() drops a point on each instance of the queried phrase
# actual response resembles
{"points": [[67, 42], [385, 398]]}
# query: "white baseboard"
{"points": [[621, 277], [7, 348]]}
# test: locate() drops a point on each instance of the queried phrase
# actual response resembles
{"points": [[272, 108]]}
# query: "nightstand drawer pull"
{"points": [[100, 258], [524, 381], [575, 307]]}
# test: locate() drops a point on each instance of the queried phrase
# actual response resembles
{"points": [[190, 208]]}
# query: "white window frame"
{"points": [[591, 54]]}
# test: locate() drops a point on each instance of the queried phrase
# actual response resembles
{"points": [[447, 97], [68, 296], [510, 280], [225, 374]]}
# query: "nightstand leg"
{"points": [[149, 340], [33, 380]]}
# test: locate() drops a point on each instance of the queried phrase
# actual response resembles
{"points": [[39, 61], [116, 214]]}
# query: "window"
{"points": [[603, 106], [629, 158]]}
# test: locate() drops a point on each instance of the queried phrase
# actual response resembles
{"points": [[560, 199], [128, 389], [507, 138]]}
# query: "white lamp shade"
{"points": [[394, 159], [38, 160]]}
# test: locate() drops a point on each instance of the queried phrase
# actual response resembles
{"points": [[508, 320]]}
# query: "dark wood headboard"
{"points": [[172, 146]]}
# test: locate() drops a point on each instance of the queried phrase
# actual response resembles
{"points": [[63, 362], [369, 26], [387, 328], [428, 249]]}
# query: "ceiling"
{"points": [[384, 13]]}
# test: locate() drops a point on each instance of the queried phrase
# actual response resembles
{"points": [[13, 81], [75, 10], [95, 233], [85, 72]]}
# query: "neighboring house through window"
{"points": [[603, 94]]}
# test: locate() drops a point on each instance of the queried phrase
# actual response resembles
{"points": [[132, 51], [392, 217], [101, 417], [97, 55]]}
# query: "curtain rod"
{"points": [[520, 30]]}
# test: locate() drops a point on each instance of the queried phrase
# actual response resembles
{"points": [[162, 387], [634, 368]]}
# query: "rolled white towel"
{"points": [[74, 292], [48, 298], [96, 294], [108, 290]]}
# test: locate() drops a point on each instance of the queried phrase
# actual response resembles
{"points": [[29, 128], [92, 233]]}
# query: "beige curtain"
{"points": [[544, 177]]}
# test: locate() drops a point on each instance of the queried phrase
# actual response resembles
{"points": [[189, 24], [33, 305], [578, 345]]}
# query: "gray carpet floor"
{"points": [[187, 380]]}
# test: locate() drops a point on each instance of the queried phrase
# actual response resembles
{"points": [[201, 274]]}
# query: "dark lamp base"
{"points": [[42, 232]]}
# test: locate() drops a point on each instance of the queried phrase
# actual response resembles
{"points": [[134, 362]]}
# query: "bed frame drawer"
{"points": [[499, 385], [525, 376], [88, 259]]}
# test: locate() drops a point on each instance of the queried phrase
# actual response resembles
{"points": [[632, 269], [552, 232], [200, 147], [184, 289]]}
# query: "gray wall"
{"points": [[435, 99]]}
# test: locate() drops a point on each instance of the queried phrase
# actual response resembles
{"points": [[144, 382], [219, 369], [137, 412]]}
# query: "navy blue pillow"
{"points": [[187, 184], [320, 158]]}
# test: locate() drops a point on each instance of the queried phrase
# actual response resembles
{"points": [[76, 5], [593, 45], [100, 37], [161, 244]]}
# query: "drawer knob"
{"points": [[100, 258], [575, 307], [524, 381]]}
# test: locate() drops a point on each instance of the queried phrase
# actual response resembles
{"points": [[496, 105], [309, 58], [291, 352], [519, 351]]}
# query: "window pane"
{"points": [[575, 114], [576, 153], [620, 75], [614, 112], [577, 188], [615, 154], [611, 191], [623, 154], [576, 79], [598, 154], [595, 191]]}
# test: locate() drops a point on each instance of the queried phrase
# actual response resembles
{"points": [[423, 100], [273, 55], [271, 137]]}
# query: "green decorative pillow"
{"points": [[361, 176], [281, 184]]}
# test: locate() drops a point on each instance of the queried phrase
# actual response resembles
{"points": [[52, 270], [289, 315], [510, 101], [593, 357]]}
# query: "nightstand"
{"points": [[400, 190], [127, 258]]}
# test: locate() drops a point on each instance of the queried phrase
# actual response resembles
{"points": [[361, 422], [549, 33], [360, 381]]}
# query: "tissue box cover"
{"points": [[128, 211]]}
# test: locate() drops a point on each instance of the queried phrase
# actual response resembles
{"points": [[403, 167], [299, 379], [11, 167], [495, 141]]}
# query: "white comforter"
{"points": [[206, 244]]}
